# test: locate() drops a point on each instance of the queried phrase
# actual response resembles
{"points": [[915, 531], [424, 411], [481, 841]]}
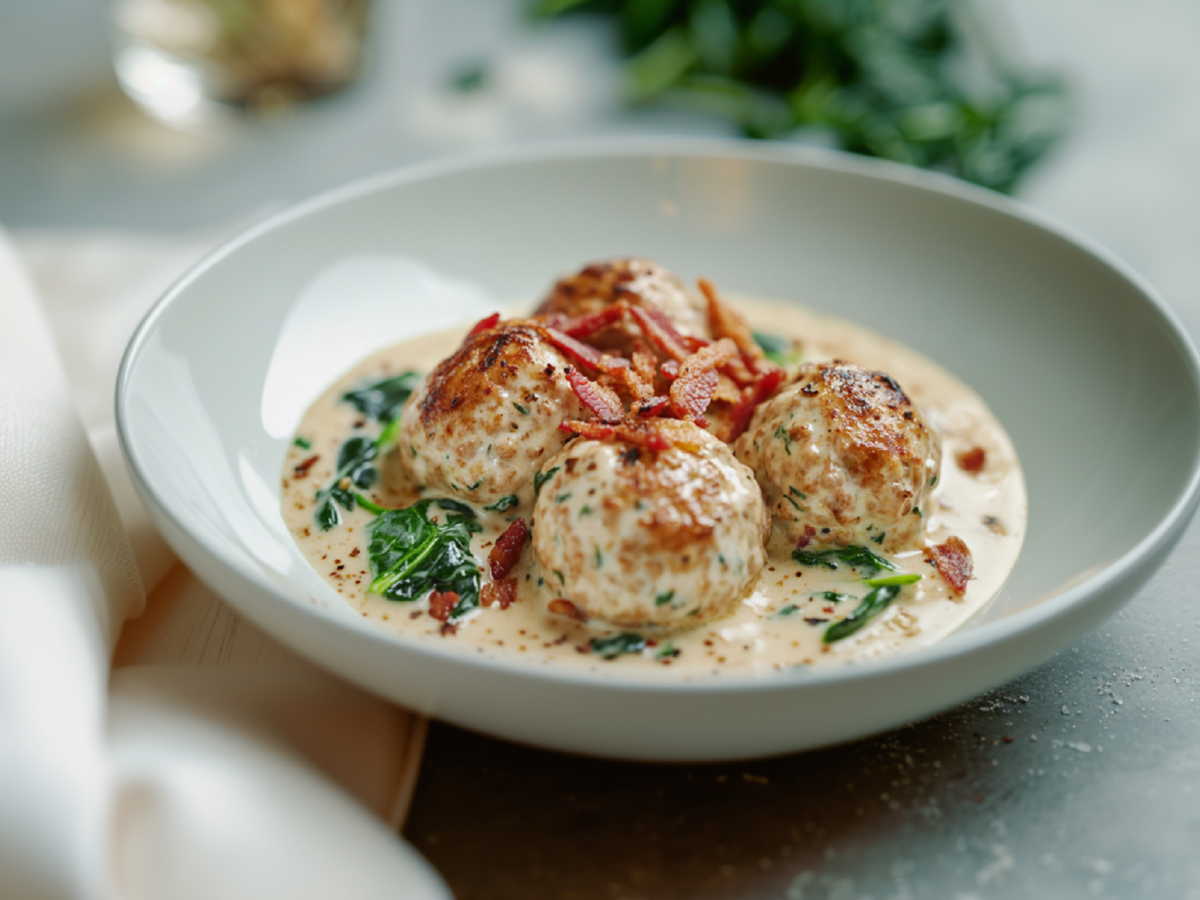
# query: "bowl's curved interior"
{"points": [[1090, 375]]}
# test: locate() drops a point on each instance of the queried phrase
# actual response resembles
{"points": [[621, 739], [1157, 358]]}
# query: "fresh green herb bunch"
{"points": [[916, 81]]}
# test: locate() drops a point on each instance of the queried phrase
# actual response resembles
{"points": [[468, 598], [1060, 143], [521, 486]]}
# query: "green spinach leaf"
{"points": [[411, 556], [872, 605], [355, 469], [922, 82], [782, 350], [618, 644], [383, 400], [855, 556]]}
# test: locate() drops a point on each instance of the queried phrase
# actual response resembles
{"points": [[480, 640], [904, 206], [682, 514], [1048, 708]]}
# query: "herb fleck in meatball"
{"points": [[843, 457], [636, 537]]}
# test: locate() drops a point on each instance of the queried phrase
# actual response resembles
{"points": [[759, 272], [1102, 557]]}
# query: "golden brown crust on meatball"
{"points": [[634, 536], [638, 282], [487, 416], [843, 457]]}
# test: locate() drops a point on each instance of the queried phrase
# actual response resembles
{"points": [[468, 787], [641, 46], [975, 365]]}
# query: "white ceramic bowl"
{"points": [[1089, 371]]}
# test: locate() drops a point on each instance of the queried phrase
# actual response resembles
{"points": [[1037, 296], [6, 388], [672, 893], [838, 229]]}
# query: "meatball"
{"points": [[485, 419], [640, 282], [843, 457], [636, 537]]}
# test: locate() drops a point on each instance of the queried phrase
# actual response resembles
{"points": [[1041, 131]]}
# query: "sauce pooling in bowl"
{"points": [[638, 540]]}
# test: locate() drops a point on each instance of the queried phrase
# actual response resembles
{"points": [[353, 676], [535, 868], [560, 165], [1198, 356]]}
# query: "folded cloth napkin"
{"points": [[261, 779]]}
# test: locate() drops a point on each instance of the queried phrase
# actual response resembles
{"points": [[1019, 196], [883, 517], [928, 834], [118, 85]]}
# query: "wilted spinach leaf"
{"points": [[612, 647], [872, 605], [383, 400], [778, 349], [922, 82], [411, 556], [355, 469], [855, 556]]}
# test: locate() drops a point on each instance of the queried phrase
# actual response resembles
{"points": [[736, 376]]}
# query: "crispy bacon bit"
{"points": [[441, 605], [603, 402], [584, 354], [743, 411], [741, 369], [583, 327], [561, 607], [692, 391], [633, 382], [652, 406], [485, 324], [725, 323], [644, 361], [301, 468], [507, 549], [691, 395], [500, 593], [953, 562], [972, 460], [670, 369], [641, 433], [659, 329]]}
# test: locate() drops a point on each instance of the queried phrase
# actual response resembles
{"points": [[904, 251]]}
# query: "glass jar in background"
{"points": [[189, 61]]}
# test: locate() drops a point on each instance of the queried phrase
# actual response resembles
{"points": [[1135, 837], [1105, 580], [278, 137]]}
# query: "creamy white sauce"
{"points": [[780, 623]]}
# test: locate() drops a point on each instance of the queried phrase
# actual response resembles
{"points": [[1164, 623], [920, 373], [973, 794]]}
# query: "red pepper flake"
{"points": [[485, 324], [507, 549], [500, 593], [561, 607], [301, 468], [952, 559], [972, 460], [602, 401], [442, 604]]}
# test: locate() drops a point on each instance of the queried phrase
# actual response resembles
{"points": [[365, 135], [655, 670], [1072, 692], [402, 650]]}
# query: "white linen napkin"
{"points": [[262, 779]]}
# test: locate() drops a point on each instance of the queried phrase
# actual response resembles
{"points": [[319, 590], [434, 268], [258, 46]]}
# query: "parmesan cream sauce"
{"points": [[780, 622]]}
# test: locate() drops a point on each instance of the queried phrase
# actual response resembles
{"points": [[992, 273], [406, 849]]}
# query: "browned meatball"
{"points": [[843, 457], [485, 419], [638, 282], [636, 537]]}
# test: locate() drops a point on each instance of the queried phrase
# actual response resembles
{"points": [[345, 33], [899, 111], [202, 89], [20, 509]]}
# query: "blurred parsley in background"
{"points": [[916, 81]]}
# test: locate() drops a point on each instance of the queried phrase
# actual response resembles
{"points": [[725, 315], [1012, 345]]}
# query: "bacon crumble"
{"points": [[500, 593], [442, 604], [952, 559], [972, 460], [507, 550]]}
